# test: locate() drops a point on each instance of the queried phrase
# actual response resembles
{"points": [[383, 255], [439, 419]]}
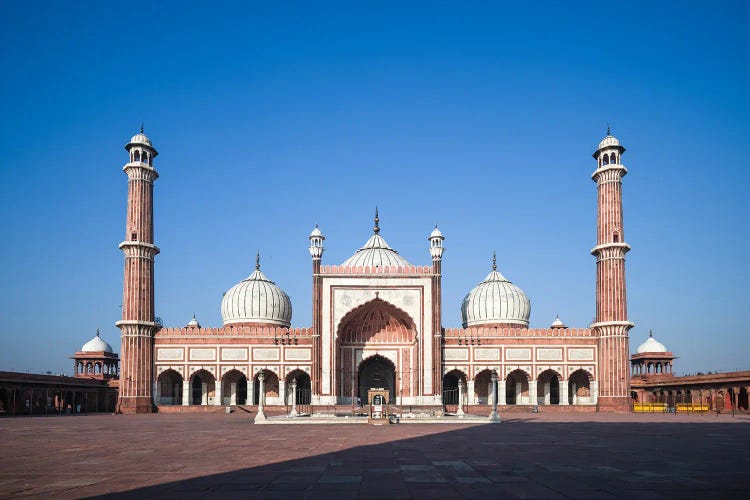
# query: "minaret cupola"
{"points": [[609, 151], [141, 149], [316, 243], [436, 244]]}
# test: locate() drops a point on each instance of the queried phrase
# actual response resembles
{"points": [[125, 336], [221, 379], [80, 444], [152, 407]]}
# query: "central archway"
{"points": [[376, 326], [375, 373]]}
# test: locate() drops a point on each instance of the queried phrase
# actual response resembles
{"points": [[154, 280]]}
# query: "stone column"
{"points": [[294, 413], [563, 393], [460, 411], [261, 415], [157, 392], [547, 392], [217, 393], [501, 390], [204, 393], [533, 398], [233, 393], [494, 417], [575, 393], [282, 392], [470, 391], [185, 393], [594, 392]]}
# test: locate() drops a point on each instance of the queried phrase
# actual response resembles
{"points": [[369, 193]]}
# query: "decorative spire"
{"points": [[609, 132], [141, 127], [377, 221], [257, 260], [650, 332], [97, 332], [494, 261]]}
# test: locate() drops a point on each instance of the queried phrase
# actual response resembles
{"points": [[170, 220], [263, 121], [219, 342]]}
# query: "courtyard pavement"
{"points": [[226, 456]]}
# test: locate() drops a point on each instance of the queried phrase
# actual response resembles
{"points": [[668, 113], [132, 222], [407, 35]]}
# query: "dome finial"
{"points": [[141, 127], [257, 260], [494, 261], [377, 221], [650, 332], [97, 332], [609, 131]]}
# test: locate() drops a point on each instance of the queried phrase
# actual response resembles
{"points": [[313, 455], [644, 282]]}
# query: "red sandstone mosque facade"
{"points": [[376, 322]]}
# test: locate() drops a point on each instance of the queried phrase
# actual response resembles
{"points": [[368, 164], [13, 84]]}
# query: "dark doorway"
{"points": [[374, 373]]}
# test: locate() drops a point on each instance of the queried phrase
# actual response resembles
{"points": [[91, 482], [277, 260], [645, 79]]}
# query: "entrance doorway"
{"points": [[376, 372]]}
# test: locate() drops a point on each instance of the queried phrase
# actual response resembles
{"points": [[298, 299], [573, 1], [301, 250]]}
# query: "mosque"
{"points": [[376, 323]]}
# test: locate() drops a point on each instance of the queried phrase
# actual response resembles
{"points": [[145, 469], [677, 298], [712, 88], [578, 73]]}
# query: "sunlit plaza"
{"points": [[563, 455]]}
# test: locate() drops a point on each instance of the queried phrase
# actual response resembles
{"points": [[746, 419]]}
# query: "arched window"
{"points": [[616, 237], [137, 156], [606, 159]]}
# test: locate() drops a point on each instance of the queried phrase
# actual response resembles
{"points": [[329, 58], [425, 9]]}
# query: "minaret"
{"points": [[436, 251], [611, 325], [138, 320], [316, 252]]}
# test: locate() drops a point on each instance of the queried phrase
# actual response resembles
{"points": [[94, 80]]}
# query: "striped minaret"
{"points": [[436, 252], [316, 252], [138, 320], [611, 325]]}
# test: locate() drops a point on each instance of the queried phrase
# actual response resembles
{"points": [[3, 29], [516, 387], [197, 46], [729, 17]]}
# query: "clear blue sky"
{"points": [[480, 118]]}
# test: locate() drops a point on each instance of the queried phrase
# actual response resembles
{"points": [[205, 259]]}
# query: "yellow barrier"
{"points": [[662, 407], [649, 407]]}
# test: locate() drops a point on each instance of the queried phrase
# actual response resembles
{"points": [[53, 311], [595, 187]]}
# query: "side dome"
{"points": [[651, 345], [96, 345], [256, 299], [376, 252], [496, 302]]}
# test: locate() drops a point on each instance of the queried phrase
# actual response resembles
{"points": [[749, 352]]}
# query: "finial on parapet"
{"points": [[377, 221], [257, 260], [494, 261]]}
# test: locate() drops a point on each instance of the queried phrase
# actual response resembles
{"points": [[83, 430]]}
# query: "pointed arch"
{"points": [[376, 321]]}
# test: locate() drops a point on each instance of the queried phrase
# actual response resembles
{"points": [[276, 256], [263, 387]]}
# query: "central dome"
{"points": [[376, 252], [256, 299], [496, 302]]}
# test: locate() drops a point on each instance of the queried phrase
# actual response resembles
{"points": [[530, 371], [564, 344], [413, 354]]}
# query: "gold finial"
{"points": [[377, 221]]}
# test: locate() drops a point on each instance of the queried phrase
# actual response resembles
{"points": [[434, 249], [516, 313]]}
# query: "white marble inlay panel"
{"points": [[298, 354], [485, 354], [202, 354], [265, 354], [170, 354], [453, 354], [580, 354], [549, 354], [518, 354], [234, 353]]}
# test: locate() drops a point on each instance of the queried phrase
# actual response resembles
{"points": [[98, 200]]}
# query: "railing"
{"points": [[303, 401], [450, 401]]}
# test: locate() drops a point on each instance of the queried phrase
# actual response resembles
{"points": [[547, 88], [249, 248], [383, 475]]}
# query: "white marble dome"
{"points": [[609, 142], [436, 233], [96, 345], [375, 252], [651, 345], [256, 299], [140, 138], [316, 232], [496, 301]]}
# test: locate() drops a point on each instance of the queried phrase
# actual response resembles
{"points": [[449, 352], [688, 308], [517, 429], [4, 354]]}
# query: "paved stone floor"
{"points": [[527, 456]]}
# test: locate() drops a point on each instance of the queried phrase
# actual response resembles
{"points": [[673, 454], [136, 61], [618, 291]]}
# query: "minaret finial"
{"points": [[494, 261], [141, 127], [257, 260], [650, 332], [97, 332], [609, 131], [377, 221]]}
